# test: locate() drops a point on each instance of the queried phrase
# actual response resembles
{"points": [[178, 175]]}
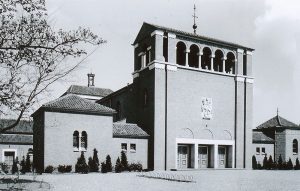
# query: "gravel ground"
{"points": [[231, 180]]}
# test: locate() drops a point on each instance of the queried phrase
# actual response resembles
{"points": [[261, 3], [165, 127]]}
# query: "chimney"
{"points": [[91, 78]]}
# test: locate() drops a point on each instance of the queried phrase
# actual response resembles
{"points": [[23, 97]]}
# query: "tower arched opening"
{"points": [[194, 56], [218, 63], [230, 63], [180, 53], [206, 59]]}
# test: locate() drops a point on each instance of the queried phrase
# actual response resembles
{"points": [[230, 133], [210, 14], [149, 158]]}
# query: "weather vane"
{"points": [[194, 26]]}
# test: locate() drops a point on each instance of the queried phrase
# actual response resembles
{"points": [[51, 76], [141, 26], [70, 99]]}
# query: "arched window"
{"points": [[295, 146], [218, 62], [30, 151], [83, 140], [118, 109], [230, 63], [76, 140], [194, 56], [206, 59], [180, 53]]}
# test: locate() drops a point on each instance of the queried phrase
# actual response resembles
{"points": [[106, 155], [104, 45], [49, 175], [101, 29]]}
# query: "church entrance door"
{"points": [[222, 156], [183, 156], [203, 157]]}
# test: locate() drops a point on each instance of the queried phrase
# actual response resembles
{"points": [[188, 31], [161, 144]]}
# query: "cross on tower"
{"points": [[194, 16]]}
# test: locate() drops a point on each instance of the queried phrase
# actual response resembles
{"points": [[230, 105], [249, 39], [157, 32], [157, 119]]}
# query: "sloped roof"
{"points": [[128, 130], [276, 121], [16, 139], [147, 27], [91, 91], [260, 137], [23, 127], [73, 103]]}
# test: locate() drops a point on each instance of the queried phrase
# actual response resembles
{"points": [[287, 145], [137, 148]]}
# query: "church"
{"points": [[193, 96], [190, 100]]}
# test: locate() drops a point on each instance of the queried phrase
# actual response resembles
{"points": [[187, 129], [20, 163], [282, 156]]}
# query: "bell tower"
{"points": [[91, 78]]}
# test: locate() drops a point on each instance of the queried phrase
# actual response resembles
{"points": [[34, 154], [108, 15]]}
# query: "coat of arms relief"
{"points": [[206, 108]]}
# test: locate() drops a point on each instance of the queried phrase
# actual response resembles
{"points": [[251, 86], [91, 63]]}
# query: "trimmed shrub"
{"points": [[94, 162], [270, 163], [61, 168], [118, 166], [91, 164], [49, 169], [290, 164], [124, 161], [259, 166], [27, 163], [22, 164], [15, 166], [254, 162], [108, 164], [103, 167], [265, 162], [64, 168], [81, 166], [136, 167], [68, 168], [297, 165], [284, 166], [4, 167], [280, 163]]}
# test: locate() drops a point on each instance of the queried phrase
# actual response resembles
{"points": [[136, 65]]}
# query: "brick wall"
{"points": [[58, 142]]}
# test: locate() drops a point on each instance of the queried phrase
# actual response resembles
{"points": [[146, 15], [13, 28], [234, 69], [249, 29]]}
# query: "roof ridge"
{"points": [[90, 87], [279, 121], [197, 35], [58, 99]]}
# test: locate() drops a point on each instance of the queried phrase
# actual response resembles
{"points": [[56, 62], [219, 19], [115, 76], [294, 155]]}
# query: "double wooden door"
{"points": [[183, 157], [202, 156]]}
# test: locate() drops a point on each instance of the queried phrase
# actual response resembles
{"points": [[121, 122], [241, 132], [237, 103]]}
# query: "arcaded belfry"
{"points": [[193, 96]]}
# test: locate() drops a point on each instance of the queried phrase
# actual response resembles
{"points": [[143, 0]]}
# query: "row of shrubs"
{"points": [[269, 164], [25, 165], [60, 168], [94, 165]]}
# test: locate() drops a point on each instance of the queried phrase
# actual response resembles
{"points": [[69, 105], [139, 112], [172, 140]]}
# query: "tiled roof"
{"points": [[276, 121], [153, 27], [16, 139], [128, 130], [91, 91], [74, 103], [22, 127], [260, 137]]}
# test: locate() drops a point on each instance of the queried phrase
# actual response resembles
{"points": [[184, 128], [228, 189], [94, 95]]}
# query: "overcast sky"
{"points": [[271, 27]]}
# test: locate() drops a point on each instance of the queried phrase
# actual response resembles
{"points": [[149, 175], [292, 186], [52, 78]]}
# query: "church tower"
{"points": [[194, 98]]}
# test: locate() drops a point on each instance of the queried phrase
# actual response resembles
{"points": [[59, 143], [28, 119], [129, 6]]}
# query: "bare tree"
{"points": [[33, 54]]}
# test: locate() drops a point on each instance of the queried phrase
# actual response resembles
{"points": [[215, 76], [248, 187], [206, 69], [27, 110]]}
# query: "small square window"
{"points": [[257, 150], [133, 148], [124, 147], [263, 150]]}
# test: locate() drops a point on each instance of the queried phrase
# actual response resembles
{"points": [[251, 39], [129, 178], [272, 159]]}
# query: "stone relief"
{"points": [[206, 108]]}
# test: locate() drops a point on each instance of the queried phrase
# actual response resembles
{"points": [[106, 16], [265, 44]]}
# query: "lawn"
{"points": [[230, 180]]}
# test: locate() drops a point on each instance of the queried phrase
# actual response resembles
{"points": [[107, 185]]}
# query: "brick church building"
{"points": [[190, 99], [193, 96]]}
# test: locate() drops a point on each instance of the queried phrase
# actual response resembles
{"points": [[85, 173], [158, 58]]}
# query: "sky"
{"points": [[271, 27]]}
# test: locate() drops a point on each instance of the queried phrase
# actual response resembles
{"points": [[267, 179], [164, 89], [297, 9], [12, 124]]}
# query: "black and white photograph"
{"points": [[169, 95]]}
